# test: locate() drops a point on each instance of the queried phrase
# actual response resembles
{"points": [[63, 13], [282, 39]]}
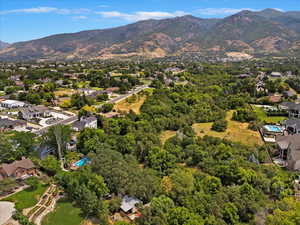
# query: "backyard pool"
{"points": [[273, 128], [82, 162]]}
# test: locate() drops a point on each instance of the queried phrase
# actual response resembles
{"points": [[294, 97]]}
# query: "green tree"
{"points": [[32, 182], [57, 137], [50, 164], [220, 125], [230, 213]]}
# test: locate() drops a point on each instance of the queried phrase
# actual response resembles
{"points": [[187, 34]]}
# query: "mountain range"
{"points": [[3, 45], [245, 34]]}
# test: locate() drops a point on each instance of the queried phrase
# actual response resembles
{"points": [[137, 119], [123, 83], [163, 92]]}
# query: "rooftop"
{"points": [[129, 203]]}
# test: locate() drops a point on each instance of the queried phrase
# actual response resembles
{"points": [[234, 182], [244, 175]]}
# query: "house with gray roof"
{"points": [[34, 112], [292, 126], [292, 108], [8, 124], [289, 148], [85, 122], [128, 204]]}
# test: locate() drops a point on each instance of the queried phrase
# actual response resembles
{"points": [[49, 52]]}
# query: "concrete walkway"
{"points": [[16, 191], [6, 211]]}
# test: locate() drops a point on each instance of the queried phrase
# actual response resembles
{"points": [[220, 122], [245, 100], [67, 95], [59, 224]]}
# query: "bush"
{"points": [[220, 125], [254, 125], [244, 115], [23, 220], [32, 182], [107, 108]]}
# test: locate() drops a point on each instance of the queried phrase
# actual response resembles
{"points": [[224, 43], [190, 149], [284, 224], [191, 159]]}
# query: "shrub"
{"points": [[220, 125], [23, 220], [244, 115]]}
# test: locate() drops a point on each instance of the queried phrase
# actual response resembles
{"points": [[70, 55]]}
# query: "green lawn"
{"points": [[27, 198], [64, 214], [268, 119]]}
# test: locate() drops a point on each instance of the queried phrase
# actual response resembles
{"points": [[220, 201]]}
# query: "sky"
{"points": [[22, 20]]}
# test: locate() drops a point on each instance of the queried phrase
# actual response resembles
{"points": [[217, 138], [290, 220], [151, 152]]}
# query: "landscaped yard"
{"points": [[236, 131], [27, 198], [268, 119], [164, 136], [64, 214]]}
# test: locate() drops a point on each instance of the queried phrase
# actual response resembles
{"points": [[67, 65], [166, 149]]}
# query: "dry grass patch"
{"points": [[165, 135], [126, 106], [236, 131], [64, 92]]}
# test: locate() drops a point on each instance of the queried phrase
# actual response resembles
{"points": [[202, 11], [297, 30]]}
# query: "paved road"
{"points": [[6, 211], [133, 92], [113, 101], [64, 122]]}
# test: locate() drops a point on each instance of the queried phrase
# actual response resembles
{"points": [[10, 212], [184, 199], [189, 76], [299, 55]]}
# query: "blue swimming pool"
{"points": [[273, 128], [82, 162]]}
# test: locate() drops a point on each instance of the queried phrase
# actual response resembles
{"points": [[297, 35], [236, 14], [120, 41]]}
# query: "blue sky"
{"points": [[22, 20]]}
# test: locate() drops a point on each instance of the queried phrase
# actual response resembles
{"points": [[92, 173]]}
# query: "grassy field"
{"points": [[64, 92], [164, 136], [126, 106], [268, 119], [236, 131], [64, 214], [27, 198]]}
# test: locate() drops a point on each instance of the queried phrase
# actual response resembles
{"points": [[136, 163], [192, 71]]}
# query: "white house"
{"points": [[85, 122], [12, 104]]}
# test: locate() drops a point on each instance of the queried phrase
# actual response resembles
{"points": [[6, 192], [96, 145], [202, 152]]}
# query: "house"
{"points": [[243, 76], [21, 169], [85, 122], [10, 104], [86, 91], [260, 86], [128, 206], [111, 90], [276, 74], [19, 83], [292, 108], [34, 112], [275, 98], [292, 126], [289, 94], [289, 148], [15, 78], [7, 124]]}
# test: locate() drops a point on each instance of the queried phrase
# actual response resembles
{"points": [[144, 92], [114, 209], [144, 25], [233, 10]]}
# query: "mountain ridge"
{"points": [[251, 32]]}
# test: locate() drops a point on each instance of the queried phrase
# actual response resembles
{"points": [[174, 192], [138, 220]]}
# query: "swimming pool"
{"points": [[82, 162], [273, 128]]}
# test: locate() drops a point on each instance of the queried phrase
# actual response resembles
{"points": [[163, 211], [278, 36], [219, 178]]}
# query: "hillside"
{"points": [[3, 45], [265, 32]]}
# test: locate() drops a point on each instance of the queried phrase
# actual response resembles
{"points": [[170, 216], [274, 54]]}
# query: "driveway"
{"points": [[6, 211]]}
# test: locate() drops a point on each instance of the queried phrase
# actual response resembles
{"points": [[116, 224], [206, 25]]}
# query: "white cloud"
{"points": [[79, 17], [103, 6], [45, 10], [221, 11], [141, 15]]}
